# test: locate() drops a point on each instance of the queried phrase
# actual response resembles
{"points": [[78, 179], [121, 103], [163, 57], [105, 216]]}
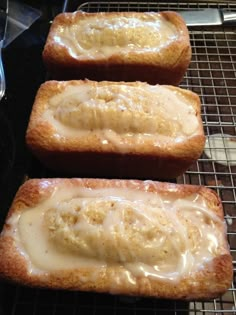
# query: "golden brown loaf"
{"points": [[111, 129], [118, 46], [125, 237]]}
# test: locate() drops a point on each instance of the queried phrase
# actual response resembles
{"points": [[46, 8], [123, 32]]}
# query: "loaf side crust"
{"points": [[209, 282]]}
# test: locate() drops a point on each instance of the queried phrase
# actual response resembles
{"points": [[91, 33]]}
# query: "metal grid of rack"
{"points": [[212, 74]]}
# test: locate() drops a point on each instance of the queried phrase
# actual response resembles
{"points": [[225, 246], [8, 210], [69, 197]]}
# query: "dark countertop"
{"points": [[24, 71]]}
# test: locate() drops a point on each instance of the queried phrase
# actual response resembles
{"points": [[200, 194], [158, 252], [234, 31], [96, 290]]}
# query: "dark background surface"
{"points": [[24, 72]]}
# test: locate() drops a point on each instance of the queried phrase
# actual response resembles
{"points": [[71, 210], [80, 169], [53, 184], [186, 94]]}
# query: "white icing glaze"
{"points": [[221, 148], [137, 231], [103, 37], [117, 112]]}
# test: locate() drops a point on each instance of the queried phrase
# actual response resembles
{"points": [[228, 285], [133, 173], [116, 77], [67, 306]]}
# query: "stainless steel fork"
{"points": [[3, 27], [2, 76]]}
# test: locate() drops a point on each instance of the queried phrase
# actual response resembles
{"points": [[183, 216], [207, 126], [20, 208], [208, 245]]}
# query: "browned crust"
{"points": [[165, 67], [211, 281], [86, 156]]}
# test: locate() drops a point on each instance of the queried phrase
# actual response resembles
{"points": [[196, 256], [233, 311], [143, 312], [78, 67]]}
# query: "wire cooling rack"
{"points": [[212, 75]]}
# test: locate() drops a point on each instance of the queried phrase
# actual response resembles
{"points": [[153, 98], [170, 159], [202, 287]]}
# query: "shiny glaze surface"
{"points": [[115, 113], [102, 36], [137, 231]]}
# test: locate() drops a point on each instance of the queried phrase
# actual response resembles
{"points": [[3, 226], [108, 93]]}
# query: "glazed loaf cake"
{"points": [[110, 129], [118, 46], [117, 236]]}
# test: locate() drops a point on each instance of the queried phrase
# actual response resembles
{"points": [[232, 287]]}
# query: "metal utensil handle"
{"points": [[2, 76], [229, 18]]}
